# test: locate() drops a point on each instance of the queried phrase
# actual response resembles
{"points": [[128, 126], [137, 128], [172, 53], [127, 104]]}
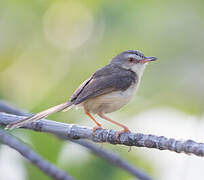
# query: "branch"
{"points": [[7, 108], [33, 157], [74, 131], [104, 154], [113, 159]]}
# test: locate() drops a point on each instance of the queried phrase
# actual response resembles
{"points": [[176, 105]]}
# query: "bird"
{"points": [[105, 91]]}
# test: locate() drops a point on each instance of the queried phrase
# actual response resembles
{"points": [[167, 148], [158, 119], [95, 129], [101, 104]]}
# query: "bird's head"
{"points": [[132, 60]]}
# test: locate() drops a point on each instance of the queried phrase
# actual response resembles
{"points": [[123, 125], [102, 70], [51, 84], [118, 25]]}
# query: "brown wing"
{"points": [[99, 72], [79, 89], [103, 85], [105, 80]]}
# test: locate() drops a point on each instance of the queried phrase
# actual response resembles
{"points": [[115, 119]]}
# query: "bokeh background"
{"points": [[48, 47]]}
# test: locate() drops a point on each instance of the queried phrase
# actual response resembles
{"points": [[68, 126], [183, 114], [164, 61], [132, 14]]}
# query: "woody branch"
{"points": [[74, 131], [102, 153]]}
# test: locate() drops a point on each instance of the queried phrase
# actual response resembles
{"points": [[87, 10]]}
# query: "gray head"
{"points": [[132, 60]]}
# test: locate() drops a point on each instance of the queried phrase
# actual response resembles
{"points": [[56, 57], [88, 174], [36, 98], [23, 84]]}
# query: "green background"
{"points": [[48, 47]]}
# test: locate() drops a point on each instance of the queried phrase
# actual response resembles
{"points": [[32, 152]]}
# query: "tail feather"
{"points": [[39, 115]]}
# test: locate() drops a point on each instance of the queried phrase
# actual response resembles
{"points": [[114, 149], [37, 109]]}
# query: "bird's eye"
{"points": [[131, 59]]}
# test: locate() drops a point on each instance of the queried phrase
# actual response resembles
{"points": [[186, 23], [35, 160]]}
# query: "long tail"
{"points": [[40, 115]]}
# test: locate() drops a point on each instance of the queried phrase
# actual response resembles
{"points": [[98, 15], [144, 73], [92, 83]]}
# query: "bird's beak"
{"points": [[148, 59]]}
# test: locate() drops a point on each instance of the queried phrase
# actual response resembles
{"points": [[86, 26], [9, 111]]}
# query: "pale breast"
{"points": [[110, 102]]}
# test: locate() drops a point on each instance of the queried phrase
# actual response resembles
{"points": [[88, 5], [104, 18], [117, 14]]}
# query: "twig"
{"points": [[7, 108], [113, 159], [103, 135], [33, 157], [104, 154]]}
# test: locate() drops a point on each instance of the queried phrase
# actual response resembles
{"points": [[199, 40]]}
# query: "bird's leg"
{"points": [[125, 128], [97, 123]]}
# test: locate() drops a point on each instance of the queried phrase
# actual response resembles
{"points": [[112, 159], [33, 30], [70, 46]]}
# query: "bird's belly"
{"points": [[110, 102]]}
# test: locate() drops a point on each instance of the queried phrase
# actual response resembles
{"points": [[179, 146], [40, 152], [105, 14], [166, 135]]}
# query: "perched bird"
{"points": [[106, 91]]}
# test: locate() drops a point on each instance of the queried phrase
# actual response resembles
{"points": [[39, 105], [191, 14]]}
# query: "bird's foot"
{"points": [[121, 132], [96, 128]]}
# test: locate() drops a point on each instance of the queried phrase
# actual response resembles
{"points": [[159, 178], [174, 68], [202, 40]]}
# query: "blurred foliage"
{"points": [[47, 48]]}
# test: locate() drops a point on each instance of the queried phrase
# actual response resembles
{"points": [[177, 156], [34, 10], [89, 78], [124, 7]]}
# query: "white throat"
{"points": [[139, 69]]}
